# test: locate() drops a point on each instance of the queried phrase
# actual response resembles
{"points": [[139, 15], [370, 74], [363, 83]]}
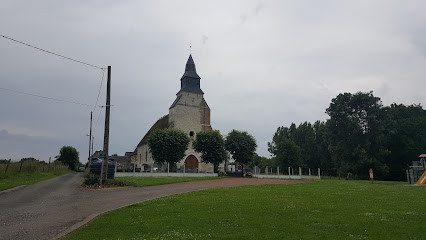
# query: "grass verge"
{"points": [[18, 179], [152, 181], [328, 209]]}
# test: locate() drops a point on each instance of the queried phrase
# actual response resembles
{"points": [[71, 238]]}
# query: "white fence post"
{"points": [[152, 168], [278, 171], [168, 167], [289, 172], [309, 172], [266, 170], [300, 171], [319, 173], [134, 169]]}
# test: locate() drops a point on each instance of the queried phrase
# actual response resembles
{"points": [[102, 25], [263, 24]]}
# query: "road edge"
{"points": [[12, 189]]}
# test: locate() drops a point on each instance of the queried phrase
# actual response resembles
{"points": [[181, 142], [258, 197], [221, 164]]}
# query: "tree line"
{"points": [[360, 134]]}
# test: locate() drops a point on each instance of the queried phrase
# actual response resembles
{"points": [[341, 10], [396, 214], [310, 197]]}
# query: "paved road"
{"points": [[54, 207]]}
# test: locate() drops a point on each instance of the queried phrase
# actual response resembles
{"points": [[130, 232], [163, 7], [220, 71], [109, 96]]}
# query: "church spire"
{"points": [[190, 81]]}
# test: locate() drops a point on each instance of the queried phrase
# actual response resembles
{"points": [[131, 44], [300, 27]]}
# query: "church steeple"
{"points": [[190, 81]]}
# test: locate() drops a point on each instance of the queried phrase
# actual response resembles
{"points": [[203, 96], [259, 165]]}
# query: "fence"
{"points": [[164, 171], [30, 166], [289, 173]]}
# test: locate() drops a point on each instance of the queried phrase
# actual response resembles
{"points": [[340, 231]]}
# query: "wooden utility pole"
{"points": [[106, 133], [90, 139]]}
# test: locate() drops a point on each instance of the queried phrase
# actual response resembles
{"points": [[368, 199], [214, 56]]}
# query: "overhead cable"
{"points": [[99, 92], [49, 52], [50, 98]]}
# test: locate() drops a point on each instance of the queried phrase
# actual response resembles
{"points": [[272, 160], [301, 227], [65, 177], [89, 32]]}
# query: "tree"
{"points": [[211, 146], [30, 159], [241, 145], [405, 131], [357, 134], [168, 145], [69, 156]]}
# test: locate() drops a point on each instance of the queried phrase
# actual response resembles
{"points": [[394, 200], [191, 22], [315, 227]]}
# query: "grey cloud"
{"points": [[243, 18], [259, 8], [284, 67], [204, 39]]}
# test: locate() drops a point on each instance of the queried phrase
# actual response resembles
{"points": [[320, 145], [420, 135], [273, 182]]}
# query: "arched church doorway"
{"points": [[191, 163]]}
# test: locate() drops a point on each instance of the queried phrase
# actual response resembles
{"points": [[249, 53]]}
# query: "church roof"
{"points": [[190, 81], [190, 70], [162, 123], [176, 101]]}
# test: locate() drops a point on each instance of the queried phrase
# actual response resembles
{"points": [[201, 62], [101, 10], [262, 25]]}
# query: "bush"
{"points": [[221, 174], [91, 179]]}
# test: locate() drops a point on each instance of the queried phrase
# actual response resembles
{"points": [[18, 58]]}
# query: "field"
{"points": [[28, 173], [326, 209]]}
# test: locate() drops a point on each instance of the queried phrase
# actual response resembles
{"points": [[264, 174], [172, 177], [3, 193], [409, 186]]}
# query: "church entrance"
{"points": [[191, 163]]}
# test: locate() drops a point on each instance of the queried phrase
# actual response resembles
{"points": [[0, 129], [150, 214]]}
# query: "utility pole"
{"points": [[93, 139], [90, 139], [106, 132]]}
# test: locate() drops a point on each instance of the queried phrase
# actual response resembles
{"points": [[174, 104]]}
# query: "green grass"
{"points": [[328, 209], [18, 179], [152, 181]]}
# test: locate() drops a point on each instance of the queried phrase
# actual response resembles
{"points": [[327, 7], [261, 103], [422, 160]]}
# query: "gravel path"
{"points": [[55, 207]]}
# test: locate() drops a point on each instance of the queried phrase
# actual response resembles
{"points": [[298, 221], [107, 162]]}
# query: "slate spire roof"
{"points": [[190, 81]]}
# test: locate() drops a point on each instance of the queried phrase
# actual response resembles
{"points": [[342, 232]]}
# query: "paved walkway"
{"points": [[55, 207]]}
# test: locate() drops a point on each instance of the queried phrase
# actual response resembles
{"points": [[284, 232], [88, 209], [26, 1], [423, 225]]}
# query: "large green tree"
{"points": [[405, 130], [168, 145], [241, 145], [357, 134], [69, 156], [211, 146]]}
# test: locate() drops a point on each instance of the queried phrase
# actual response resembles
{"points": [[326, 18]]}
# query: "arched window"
{"points": [[191, 134]]}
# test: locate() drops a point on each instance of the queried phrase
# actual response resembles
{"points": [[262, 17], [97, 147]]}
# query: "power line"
{"points": [[49, 52], [50, 98], [99, 92]]}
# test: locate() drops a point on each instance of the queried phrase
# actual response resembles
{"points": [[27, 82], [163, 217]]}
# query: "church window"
{"points": [[191, 134], [146, 156]]}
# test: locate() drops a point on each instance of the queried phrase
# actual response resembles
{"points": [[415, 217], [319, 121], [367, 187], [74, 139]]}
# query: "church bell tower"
{"points": [[190, 112]]}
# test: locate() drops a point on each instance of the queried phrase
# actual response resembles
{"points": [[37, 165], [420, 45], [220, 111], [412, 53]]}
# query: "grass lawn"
{"points": [[18, 179], [152, 181], [327, 209]]}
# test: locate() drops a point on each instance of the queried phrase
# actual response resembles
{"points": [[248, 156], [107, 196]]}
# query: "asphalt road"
{"points": [[55, 207]]}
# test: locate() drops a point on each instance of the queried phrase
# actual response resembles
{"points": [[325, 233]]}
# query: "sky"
{"points": [[263, 64]]}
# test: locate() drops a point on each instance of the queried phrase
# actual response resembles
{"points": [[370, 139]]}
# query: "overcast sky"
{"points": [[263, 64]]}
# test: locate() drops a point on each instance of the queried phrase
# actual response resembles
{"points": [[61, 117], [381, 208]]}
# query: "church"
{"points": [[189, 113]]}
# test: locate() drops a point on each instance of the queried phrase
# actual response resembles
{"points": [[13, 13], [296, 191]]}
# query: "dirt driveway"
{"points": [[55, 207]]}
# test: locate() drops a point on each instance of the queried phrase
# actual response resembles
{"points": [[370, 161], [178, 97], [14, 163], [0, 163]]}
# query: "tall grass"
{"points": [[29, 166], [28, 172]]}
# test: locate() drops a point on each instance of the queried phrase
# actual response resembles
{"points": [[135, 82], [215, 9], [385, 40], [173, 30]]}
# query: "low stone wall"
{"points": [[286, 176], [163, 174]]}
